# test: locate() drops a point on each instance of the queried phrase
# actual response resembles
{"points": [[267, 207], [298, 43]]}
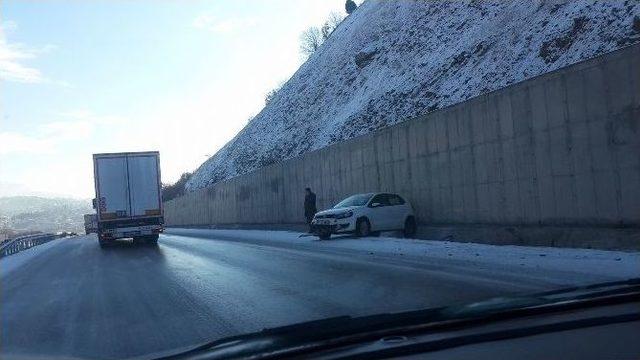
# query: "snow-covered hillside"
{"points": [[393, 60]]}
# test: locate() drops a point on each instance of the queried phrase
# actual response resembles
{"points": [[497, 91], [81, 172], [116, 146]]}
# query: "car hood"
{"points": [[289, 340], [338, 210]]}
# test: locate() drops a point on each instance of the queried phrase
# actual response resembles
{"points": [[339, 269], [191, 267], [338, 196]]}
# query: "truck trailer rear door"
{"points": [[144, 186], [113, 188]]}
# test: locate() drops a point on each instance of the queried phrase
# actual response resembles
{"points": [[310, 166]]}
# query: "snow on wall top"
{"points": [[394, 60]]}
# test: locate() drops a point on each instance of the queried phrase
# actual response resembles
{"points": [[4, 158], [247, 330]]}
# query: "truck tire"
{"points": [[103, 243], [152, 239]]}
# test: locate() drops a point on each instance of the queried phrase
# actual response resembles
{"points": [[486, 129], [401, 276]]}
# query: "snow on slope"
{"points": [[393, 60]]}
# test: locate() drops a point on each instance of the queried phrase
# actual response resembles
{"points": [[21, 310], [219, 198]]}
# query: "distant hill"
{"points": [[43, 214], [393, 60]]}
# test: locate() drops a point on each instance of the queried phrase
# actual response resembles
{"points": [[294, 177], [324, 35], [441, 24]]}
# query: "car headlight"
{"points": [[345, 215]]}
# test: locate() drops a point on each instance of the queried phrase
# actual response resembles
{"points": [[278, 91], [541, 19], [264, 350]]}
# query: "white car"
{"points": [[366, 214]]}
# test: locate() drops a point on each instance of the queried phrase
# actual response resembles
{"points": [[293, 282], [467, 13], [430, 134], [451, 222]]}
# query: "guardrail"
{"points": [[20, 243]]}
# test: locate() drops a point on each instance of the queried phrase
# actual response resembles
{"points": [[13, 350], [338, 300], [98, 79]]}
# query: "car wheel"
{"points": [[363, 228], [410, 227], [324, 235]]}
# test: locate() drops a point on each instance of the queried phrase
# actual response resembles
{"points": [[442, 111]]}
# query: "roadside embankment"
{"points": [[552, 161]]}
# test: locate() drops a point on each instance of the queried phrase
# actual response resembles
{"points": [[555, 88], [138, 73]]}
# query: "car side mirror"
{"points": [[93, 202], [374, 205]]}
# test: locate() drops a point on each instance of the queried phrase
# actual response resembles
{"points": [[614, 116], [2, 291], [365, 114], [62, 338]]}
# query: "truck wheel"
{"points": [[103, 243], [152, 239], [363, 228]]}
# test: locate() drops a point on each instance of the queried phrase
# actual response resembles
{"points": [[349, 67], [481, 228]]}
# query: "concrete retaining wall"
{"points": [[560, 149]]}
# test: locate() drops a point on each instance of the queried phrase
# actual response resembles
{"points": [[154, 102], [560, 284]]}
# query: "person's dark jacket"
{"points": [[310, 205]]}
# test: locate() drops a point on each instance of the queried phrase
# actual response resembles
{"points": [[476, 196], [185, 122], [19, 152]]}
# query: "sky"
{"points": [[181, 77]]}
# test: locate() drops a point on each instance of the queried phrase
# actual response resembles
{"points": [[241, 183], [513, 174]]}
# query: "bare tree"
{"points": [[269, 96], [272, 93], [310, 40], [177, 189], [330, 24], [325, 31]]}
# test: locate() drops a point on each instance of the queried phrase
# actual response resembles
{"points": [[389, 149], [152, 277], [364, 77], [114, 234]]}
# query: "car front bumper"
{"points": [[333, 226]]}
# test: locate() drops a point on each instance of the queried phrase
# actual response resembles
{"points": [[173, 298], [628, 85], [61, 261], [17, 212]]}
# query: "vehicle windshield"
{"points": [[173, 172], [355, 200]]}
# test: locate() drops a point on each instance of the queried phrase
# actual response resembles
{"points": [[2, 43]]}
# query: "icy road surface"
{"points": [[70, 298]]}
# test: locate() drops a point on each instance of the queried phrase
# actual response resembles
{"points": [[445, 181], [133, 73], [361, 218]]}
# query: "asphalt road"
{"points": [[73, 299]]}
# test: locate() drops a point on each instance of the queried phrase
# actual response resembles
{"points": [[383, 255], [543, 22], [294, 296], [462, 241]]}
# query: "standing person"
{"points": [[309, 206]]}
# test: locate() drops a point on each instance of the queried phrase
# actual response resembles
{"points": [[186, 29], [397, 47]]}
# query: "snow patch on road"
{"points": [[616, 264]]}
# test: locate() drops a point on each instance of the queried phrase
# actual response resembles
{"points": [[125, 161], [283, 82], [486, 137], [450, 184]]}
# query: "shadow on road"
{"points": [[338, 237], [130, 248], [354, 237]]}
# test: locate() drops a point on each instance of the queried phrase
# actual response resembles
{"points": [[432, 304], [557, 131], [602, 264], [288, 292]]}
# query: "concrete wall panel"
{"points": [[558, 149]]}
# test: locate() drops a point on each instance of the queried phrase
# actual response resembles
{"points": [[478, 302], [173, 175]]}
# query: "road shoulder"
{"points": [[523, 259]]}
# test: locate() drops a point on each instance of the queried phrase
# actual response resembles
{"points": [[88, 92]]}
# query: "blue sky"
{"points": [[183, 77]]}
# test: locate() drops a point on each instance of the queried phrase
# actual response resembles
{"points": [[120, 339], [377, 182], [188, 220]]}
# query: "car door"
{"points": [[379, 212]]}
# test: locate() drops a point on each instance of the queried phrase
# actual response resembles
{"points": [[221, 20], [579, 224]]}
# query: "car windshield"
{"points": [[173, 172], [355, 200]]}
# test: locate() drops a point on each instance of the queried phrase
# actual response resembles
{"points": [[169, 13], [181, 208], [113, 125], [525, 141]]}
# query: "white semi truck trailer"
{"points": [[128, 196]]}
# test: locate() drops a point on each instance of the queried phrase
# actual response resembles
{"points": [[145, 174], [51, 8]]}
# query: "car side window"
{"points": [[395, 200], [381, 199]]}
